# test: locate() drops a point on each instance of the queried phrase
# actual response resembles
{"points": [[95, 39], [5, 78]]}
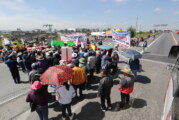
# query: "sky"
{"points": [[33, 14]]}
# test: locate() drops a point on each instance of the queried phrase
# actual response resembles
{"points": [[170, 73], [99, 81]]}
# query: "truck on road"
{"points": [[171, 98]]}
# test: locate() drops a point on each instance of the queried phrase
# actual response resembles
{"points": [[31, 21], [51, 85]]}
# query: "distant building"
{"points": [[109, 32], [71, 29], [37, 35], [97, 33]]}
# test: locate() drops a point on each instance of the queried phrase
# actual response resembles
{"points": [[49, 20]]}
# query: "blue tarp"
{"points": [[104, 47]]}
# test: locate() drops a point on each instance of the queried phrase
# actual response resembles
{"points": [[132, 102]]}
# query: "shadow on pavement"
{"points": [[94, 80], [116, 82], [134, 103], [55, 106], [138, 103], [116, 105], [94, 87], [25, 82], [91, 96], [59, 117], [146, 52], [143, 79], [90, 111], [78, 99]]}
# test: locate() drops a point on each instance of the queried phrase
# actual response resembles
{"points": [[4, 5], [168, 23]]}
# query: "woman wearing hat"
{"points": [[126, 86], [42, 63], [40, 97]]}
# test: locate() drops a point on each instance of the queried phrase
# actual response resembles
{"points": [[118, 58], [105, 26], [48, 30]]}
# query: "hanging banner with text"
{"points": [[122, 38], [77, 38]]}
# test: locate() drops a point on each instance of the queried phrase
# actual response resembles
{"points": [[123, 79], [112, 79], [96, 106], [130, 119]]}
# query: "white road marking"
{"points": [[23, 116], [152, 43], [14, 97], [164, 63]]}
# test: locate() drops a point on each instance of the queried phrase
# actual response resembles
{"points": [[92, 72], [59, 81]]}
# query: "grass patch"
{"points": [[144, 35], [0, 42], [18, 43], [58, 38]]}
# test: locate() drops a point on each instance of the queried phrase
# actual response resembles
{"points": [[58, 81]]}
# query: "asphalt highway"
{"points": [[159, 49]]}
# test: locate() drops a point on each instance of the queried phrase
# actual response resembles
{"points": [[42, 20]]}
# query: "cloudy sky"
{"points": [[32, 14]]}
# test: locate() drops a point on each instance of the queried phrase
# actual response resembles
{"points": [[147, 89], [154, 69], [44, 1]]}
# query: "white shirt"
{"points": [[65, 95]]}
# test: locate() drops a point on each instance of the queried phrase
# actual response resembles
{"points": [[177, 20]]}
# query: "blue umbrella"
{"points": [[104, 47], [132, 54]]}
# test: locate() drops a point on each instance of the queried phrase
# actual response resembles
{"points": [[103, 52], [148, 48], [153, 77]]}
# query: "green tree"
{"points": [[150, 31], [132, 31], [155, 31]]}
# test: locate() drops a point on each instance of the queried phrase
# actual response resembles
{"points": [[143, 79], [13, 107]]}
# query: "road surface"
{"points": [[9, 90], [160, 48]]}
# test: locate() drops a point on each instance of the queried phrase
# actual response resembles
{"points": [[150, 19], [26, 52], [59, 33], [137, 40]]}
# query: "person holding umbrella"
{"points": [[59, 75], [134, 66], [40, 97], [134, 62]]}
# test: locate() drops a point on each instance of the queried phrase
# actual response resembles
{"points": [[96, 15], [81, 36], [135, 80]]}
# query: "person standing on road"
{"points": [[91, 63], [40, 97], [144, 45], [98, 62], [115, 61], [126, 86], [134, 66], [104, 90], [12, 65], [79, 79], [32, 74], [64, 95], [137, 42], [103, 60], [20, 61]]}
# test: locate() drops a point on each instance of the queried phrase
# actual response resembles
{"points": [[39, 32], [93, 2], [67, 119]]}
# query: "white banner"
{"points": [[122, 38]]}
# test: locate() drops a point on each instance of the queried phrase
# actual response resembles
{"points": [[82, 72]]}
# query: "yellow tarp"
{"points": [[109, 32]]}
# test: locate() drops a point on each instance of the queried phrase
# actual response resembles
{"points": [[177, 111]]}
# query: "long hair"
{"points": [[66, 86]]}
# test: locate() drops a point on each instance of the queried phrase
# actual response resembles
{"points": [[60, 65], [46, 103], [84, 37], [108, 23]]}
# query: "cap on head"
{"points": [[36, 85], [126, 71]]}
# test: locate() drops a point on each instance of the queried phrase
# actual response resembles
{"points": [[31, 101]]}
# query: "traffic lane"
{"points": [[176, 36], [8, 88], [161, 46]]}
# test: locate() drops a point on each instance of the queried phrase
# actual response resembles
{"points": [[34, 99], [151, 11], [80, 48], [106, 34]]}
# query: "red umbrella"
{"points": [[56, 75]]}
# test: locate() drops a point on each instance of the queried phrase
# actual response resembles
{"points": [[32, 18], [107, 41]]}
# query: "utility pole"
{"points": [[136, 25], [49, 27]]}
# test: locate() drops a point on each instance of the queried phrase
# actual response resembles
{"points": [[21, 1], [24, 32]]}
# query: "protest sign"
{"points": [[70, 43], [57, 43], [122, 38]]}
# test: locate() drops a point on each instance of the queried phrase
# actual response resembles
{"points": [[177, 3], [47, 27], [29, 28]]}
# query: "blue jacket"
{"points": [[12, 64], [134, 64]]}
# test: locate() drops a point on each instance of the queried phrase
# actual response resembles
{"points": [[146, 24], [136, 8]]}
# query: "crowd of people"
{"points": [[84, 62]]}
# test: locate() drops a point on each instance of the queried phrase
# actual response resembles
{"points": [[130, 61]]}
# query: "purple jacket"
{"points": [[39, 100]]}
